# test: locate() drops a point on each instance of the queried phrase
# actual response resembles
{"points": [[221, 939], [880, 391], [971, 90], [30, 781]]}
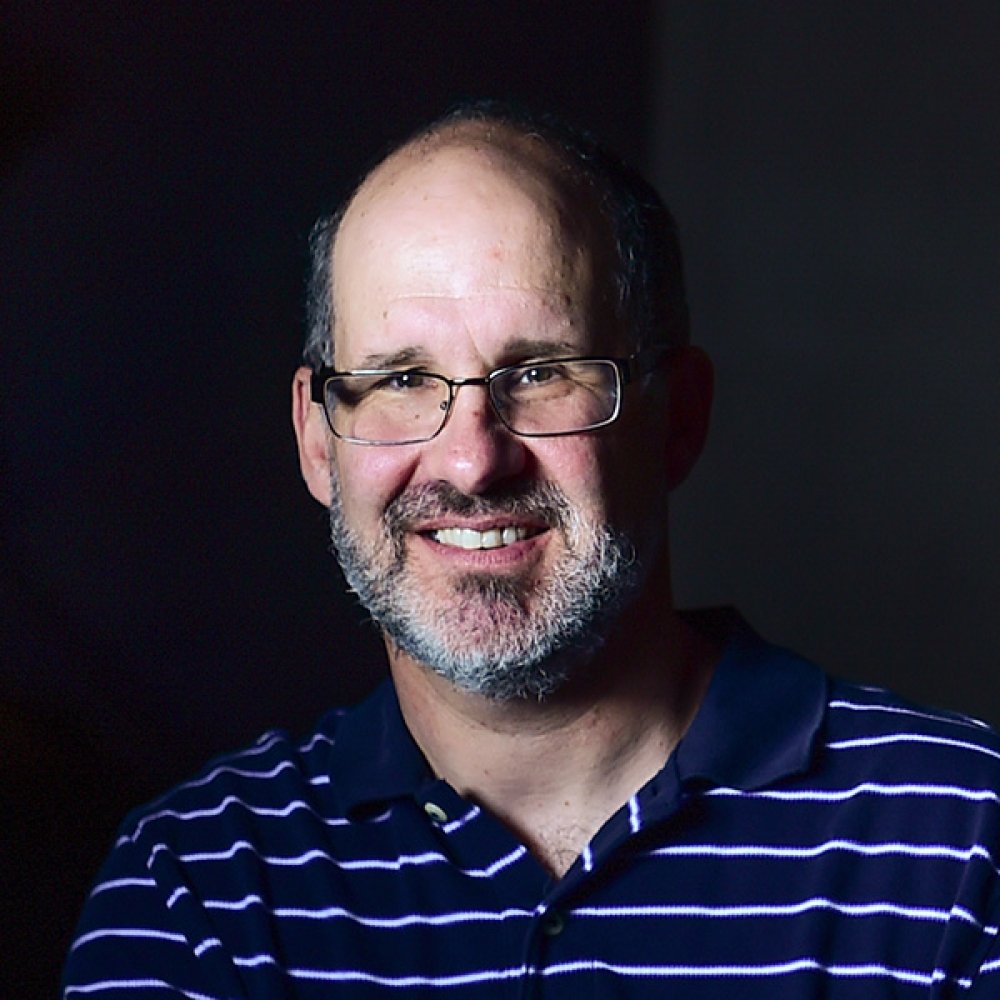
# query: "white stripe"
{"points": [[633, 814], [405, 982], [865, 788], [205, 945], [376, 864], [251, 899], [128, 932], [961, 913], [588, 858], [265, 742], [815, 850], [208, 778], [275, 812], [875, 741], [176, 894], [413, 919], [773, 910], [310, 744], [402, 982], [956, 719], [474, 813], [123, 883], [254, 961], [407, 920], [282, 812], [134, 984], [748, 971]]}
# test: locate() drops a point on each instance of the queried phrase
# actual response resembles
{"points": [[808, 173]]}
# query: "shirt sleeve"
{"points": [[132, 939], [985, 984], [980, 909]]}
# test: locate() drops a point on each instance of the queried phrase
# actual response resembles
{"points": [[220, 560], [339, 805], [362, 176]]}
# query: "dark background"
{"points": [[166, 590]]}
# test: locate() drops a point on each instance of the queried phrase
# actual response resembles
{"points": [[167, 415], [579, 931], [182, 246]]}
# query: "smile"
{"points": [[470, 538]]}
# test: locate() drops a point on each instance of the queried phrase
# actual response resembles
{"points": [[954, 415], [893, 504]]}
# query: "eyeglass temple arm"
{"points": [[317, 383]]}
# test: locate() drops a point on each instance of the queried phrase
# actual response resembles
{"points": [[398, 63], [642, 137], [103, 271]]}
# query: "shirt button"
{"points": [[553, 923], [435, 812]]}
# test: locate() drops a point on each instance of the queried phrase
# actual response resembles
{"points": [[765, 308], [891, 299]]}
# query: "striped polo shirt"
{"points": [[807, 838]]}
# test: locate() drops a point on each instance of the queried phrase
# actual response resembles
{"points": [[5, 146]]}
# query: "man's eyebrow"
{"points": [[525, 348], [404, 357], [521, 349]]}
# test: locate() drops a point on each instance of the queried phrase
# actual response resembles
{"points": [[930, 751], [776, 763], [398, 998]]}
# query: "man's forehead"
{"points": [[498, 161], [422, 182], [501, 326], [459, 218]]}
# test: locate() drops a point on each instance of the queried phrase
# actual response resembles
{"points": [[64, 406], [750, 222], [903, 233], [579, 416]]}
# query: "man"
{"points": [[568, 786]]}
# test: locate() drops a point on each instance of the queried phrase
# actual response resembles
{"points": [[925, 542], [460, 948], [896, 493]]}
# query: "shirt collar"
{"points": [[374, 758], [758, 723], [761, 715]]}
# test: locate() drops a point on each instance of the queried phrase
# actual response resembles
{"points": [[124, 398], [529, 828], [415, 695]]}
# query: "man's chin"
{"points": [[493, 592], [487, 647]]}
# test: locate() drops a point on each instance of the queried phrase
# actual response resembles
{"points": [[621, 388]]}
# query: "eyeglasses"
{"points": [[534, 399]]}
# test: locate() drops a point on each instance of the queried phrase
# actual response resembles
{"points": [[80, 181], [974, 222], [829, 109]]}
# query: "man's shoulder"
{"points": [[861, 709], [277, 773], [872, 728]]}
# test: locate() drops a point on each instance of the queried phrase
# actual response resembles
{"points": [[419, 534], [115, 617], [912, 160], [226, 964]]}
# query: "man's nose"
{"points": [[474, 450]]}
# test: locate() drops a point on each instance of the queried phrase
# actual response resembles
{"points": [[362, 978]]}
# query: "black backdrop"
{"points": [[834, 167], [166, 588]]}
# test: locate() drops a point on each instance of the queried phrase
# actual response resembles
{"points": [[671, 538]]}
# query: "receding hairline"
{"points": [[603, 203], [511, 144], [516, 153], [574, 231]]}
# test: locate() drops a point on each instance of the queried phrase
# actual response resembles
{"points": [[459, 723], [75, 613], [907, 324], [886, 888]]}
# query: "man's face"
{"points": [[481, 554]]}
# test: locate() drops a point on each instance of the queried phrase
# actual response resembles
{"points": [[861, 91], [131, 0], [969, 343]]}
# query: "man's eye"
{"points": [[538, 375], [403, 382]]}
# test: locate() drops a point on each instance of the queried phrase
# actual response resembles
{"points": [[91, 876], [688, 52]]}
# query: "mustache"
{"points": [[543, 501]]}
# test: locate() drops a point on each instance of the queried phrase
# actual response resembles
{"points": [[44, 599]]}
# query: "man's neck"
{"points": [[554, 771]]}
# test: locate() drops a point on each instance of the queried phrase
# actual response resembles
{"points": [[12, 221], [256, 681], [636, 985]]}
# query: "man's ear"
{"points": [[313, 437], [691, 380]]}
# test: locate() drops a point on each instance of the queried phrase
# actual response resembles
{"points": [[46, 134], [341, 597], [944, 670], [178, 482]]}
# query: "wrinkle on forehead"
{"points": [[506, 325]]}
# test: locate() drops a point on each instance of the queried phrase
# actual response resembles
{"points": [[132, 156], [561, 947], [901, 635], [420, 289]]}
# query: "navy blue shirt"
{"points": [[807, 838]]}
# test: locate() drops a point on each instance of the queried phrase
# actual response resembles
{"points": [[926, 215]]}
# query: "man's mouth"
{"points": [[491, 538]]}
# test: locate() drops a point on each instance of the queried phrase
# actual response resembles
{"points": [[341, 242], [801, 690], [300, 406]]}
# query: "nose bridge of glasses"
{"points": [[460, 383], [484, 381]]}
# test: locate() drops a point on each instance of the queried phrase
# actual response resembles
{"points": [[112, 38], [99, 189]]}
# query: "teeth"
{"points": [[469, 538]]}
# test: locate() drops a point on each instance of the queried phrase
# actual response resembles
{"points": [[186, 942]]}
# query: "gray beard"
{"points": [[500, 636]]}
